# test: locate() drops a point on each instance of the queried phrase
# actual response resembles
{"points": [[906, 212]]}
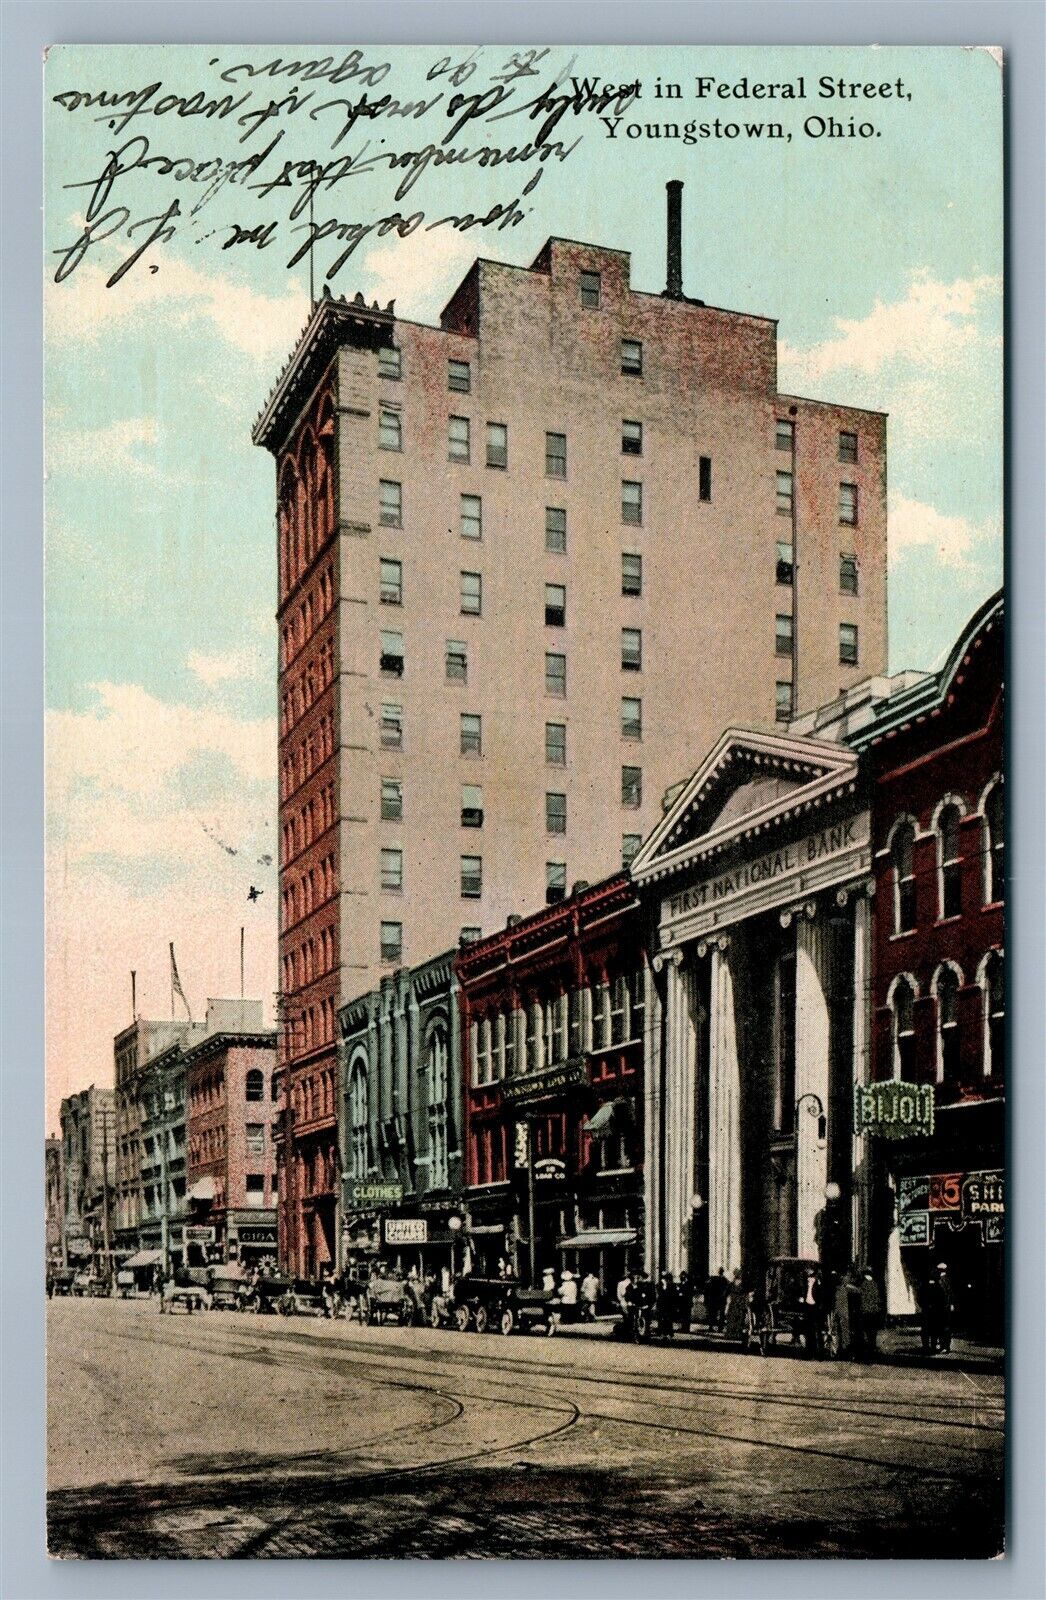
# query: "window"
{"points": [[704, 478], [458, 439], [949, 863], [391, 800], [471, 594], [848, 504], [391, 725], [848, 644], [255, 1138], [785, 572], [784, 494], [631, 438], [471, 516], [631, 573], [631, 649], [497, 444], [555, 674], [994, 844], [590, 290], [632, 787], [556, 530], [358, 1117], [436, 1095], [556, 744], [390, 429], [994, 984], [784, 437], [390, 504], [948, 1040], [783, 702], [555, 605], [392, 870], [459, 377], [555, 455], [631, 718], [391, 654], [902, 853], [471, 877], [390, 362], [391, 941], [456, 661], [255, 1085], [847, 574], [600, 1019], [783, 1039], [391, 582], [630, 843], [471, 734], [783, 635], [471, 805], [848, 447], [254, 1191], [470, 935], [555, 813], [904, 1029], [632, 358], [632, 502], [555, 882]]}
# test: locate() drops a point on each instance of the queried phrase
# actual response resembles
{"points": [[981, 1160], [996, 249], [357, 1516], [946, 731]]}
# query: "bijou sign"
{"points": [[893, 1109]]}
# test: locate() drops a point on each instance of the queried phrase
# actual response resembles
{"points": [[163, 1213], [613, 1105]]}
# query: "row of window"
{"points": [[312, 750], [948, 869], [298, 697], [390, 502], [784, 639], [459, 373], [784, 571], [392, 655], [310, 611], [545, 1032], [311, 821], [303, 895], [950, 1044], [313, 1096], [310, 960], [846, 504], [846, 450], [314, 1024], [306, 499]]}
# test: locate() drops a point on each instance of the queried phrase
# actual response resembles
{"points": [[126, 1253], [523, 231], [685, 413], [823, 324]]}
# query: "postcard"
{"points": [[526, 838]]}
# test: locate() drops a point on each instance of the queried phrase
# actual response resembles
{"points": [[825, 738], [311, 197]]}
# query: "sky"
{"points": [[881, 257]]}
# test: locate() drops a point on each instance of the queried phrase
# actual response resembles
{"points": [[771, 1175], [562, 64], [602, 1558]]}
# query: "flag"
{"points": [[176, 987]]}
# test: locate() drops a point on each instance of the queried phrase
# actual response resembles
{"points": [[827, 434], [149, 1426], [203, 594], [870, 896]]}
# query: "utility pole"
{"points": [[532, 1244], [105, 1195]]}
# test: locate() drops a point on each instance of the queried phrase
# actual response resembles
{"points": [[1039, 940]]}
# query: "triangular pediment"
{"points": [[749, 781]]}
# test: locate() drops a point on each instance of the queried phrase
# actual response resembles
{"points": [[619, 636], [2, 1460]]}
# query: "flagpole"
{"points": [[134, 1005]]}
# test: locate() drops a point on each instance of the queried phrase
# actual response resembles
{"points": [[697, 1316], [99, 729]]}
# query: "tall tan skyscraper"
{"points": [[531, 562]]}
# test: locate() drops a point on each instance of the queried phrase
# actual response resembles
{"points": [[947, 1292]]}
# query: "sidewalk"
{"points": [[896, 1347]]}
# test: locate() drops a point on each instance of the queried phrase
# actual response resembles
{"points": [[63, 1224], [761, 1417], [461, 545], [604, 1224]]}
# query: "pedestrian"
{"points": [[590, 1289], [684, 1312], [735, 1316], [548, 1281], [871, 1311], [666, 1304], [841, 1306], [568, 1288], [937, 1311], [717, 1293], [623, 1292]]}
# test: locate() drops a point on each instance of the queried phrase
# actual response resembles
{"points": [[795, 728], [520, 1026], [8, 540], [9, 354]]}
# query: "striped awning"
{"points": [[595, 1237]]}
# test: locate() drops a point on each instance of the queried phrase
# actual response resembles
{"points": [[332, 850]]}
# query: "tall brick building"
{"points": [[531, 561]]}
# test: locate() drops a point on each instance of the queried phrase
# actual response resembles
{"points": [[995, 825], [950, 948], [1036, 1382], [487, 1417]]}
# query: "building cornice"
{"points": [[331, 324]]}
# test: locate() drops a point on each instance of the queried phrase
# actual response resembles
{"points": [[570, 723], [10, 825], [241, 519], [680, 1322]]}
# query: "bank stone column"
{"points": [[860, 1145], [812, 1056], [724, 1121], [653, 1112]]}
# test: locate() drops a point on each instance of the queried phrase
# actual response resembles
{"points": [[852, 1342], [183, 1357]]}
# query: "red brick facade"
{"points": [[231, 1125]]}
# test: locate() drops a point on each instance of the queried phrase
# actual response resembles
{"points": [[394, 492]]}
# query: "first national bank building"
{"points": [[758, 879]]}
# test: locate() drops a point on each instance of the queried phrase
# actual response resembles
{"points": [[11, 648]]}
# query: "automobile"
{"points": [[798, 1300], [181, 1293], [98, 1288], [265, 1291], [81, 1282], [125, 1285], [226, 1287], [391, 1297], [61, 1281], [503, 1304], [301, 1298]]}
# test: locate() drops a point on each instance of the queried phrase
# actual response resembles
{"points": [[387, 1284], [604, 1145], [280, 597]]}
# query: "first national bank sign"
{"points": [[802, 866]]}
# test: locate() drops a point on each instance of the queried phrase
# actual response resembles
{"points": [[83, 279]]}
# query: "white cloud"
{"points": [[262, 326], [421, 273], [935, 325], [126, 445], [228, 666], [955, 542]]}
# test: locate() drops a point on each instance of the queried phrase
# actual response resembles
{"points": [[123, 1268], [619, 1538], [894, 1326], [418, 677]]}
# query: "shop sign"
{"points": [[983, 1194], [914, 1228], [196, 1234], [406, 1230], [256, 1235], [945, 1191], [522, 1146], [539, 1085], [786, 863], [362, 1193], [892, 1109], [550, 1167]]}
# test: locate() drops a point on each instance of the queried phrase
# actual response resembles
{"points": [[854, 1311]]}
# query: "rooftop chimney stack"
{"points": [[674, 286]]}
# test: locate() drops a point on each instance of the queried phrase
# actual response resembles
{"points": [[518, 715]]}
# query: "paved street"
{"points": [[228, 1435]]}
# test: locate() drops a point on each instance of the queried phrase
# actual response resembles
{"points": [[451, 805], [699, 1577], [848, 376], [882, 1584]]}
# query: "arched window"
{"points": [[902, 853], [255, 1085], [359, 1135], [993, 983], [902, 1005], [949, 863], [436, 1094], [994, 844], [947, 984]]}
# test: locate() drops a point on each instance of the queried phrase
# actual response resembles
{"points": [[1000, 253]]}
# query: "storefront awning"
{"points": [[609, 1118], [598, 1236], [144, 1258], [202, 1190], [488, 1227]]}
